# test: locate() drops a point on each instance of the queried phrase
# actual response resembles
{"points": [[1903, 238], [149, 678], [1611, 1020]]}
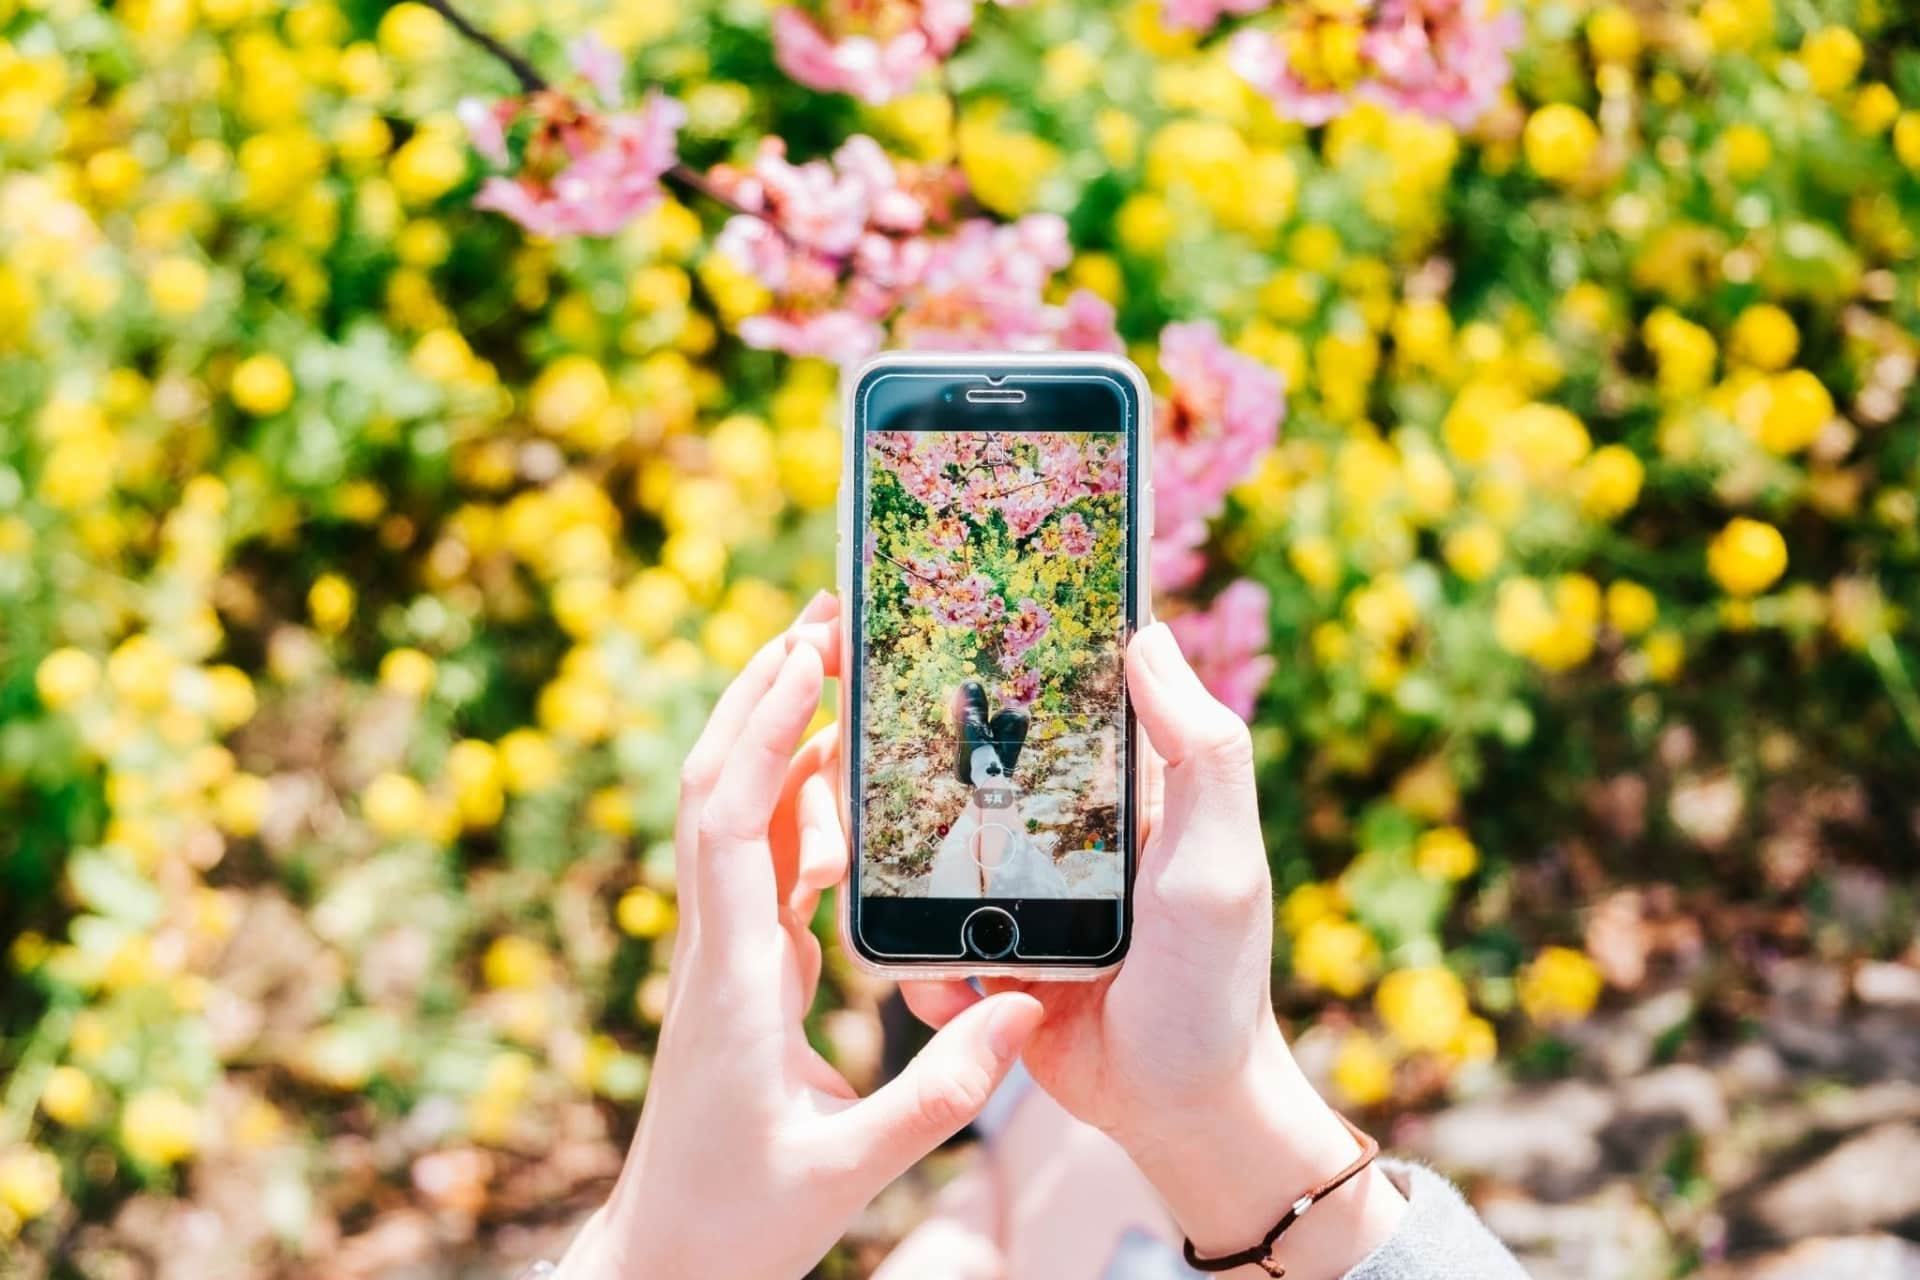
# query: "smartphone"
{"points": [[994, 516]]}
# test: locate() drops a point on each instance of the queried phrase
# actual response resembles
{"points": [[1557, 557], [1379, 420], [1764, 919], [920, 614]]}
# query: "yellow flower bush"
{"points": [[367, 565]]}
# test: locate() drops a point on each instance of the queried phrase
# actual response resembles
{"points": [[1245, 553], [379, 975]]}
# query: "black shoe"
{"points": [[1009, 735], [971, 730]]}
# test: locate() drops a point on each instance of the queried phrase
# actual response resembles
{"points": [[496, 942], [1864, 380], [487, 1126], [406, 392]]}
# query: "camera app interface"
{"points": [[993, 711]]}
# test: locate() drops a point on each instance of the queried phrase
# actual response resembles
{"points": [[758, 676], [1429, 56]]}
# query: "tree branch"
{"points": [[530, 80]]}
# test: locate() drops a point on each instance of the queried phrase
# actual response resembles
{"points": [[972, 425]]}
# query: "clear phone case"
{"points": [[1139, 535]]}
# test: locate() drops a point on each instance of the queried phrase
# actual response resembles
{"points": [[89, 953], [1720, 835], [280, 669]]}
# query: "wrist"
{"points": [[1229, 1169]]}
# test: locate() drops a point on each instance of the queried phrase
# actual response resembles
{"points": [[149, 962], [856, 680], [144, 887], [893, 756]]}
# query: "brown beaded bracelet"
{"points": [[1261, 1255]]}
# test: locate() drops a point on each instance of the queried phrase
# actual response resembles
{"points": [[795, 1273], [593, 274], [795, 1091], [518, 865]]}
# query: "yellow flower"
{"points": [[330, 603], [1309, 903], [1336, 954], [65, 678], [1316, 560], [1445, 853], [644, 913], [1424, 1008], [1613, 33], [528, 762], [67, 1096], [1875, 108], [1005, 167], [1665, 652], [1561, 985], [473, 769], [240, 804], [177, 284], [430, 164], [570, 391], [1765, 337], [407, 672], [1737, 24], [1547, 439], [1473, 550], [230, 697], [1363, 1070], [29, 1182], [1798, 405], [261, 385], [1631, 608], [159, 1127], [1144, 224], [1832, 56], [1521, 616], [1476, 1042], [1747, 152], [1610, 482], [395, 805], [1906, 139], [1747, 556], [513, 962], [1560, 141], [411, 32]]}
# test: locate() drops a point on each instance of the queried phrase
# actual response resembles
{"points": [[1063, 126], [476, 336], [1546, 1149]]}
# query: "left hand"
{"points": [[753, 1153]]}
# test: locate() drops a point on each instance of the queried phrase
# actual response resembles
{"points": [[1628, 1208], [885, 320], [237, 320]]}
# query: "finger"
{"points": [[937, 1003], [824, 637], [738, 898], [730, 713], [807, 962], [786, 832], [943, 1088], [823, 839], [1209, 797], [1153, 790]]}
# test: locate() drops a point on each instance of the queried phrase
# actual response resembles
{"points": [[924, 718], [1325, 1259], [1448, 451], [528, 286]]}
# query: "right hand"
{"points": [[753, 1153], [1178, 1055]]}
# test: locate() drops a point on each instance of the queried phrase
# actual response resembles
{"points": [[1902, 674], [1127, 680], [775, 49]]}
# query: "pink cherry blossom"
{"points": [[1226, 643], [968, 601], [1019, 688], [1075, 538], [1201, 15], [1260, 58], [1087, 324], [1024, 503], [983, 286], [873, 52], [1025, 628], [584, 171], [1448, 59], [1222, 413], [947, 532]]}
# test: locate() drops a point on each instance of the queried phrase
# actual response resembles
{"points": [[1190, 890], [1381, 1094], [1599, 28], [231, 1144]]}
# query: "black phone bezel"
{"points": [[1053, 932]]}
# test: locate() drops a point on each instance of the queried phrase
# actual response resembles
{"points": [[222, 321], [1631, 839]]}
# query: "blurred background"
{"points": [[405, 430]]}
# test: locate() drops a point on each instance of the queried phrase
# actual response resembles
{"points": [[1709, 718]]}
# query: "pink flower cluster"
{"points": [[1449, 59], [583, 171], [1222, 413], [1024, 629], [1227, 643], [850, 246], [874, 51], [1201, 15]]}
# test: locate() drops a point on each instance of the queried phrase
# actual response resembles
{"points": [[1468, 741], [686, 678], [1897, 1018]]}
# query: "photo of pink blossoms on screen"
{"points": [[992, 713]]}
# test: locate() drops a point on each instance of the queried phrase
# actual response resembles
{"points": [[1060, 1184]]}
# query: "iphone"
{"points": [[994, 518]]}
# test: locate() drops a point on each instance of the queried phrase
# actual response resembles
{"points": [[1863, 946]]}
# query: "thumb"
{"points": [[1209, 801], [943, 1088]]}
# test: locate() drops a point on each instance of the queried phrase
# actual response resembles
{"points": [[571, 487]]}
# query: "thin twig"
{"points": [[904, 568], [523, 71]]}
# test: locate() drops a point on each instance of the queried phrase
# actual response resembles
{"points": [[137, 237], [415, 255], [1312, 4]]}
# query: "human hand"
{"points": [[1178, 1055], [753, 1153]]}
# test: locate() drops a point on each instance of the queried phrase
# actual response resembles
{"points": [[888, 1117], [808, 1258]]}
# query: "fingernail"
{"points": [[1010, 1025], [1158, 649], [814, 607]]}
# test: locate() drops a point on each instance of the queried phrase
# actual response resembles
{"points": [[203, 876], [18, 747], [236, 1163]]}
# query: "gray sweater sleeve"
{"points": [[1441, 1238]]}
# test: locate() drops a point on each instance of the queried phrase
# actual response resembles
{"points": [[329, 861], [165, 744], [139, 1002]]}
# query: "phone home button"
{"points": [[990, 933]]}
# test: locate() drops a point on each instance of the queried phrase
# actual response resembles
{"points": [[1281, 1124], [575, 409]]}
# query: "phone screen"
{"points": [[994, 717]]}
